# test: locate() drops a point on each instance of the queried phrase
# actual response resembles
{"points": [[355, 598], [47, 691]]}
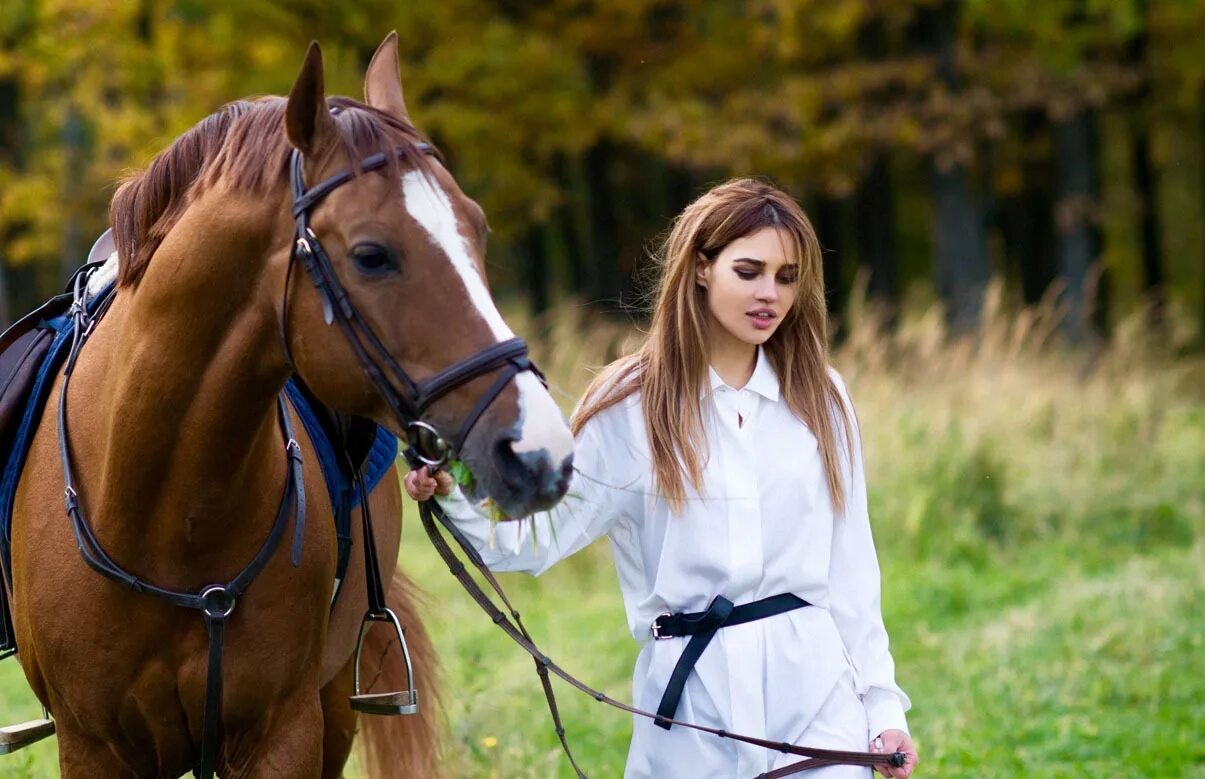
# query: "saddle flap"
{"points": [[19, 365]]}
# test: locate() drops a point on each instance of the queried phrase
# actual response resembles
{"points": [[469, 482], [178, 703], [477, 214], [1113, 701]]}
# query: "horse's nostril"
{"points": [[504, 448]]}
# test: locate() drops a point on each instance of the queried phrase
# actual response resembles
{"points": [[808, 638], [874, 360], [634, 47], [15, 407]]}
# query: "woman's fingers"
{"points": [[442, 483], [419, 485], [896, 741], [877, 746]]}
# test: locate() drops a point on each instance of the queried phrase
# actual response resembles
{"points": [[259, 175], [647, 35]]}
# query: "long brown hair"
{"points": [[670, 368]]}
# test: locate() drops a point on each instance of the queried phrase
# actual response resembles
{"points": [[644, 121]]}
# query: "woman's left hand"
{"points": [[895, 741]]}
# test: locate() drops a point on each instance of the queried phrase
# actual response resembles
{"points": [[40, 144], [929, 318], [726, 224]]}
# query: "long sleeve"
{"points": [[597, 499], [855, 601]]}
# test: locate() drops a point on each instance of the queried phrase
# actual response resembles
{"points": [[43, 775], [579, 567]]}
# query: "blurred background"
{"points": [[1011, 194]]}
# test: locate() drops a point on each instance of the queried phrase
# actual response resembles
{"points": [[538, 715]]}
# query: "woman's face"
{"points": [[750, 286]]}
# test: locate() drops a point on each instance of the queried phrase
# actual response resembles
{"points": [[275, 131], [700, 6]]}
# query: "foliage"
{"points": [[808, 91]]}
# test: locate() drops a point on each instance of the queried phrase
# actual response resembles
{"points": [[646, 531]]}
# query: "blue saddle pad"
{"points": [[338, 482]]}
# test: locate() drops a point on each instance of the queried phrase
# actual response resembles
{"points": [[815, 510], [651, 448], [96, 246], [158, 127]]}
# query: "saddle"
{"points": [[349, 449]]}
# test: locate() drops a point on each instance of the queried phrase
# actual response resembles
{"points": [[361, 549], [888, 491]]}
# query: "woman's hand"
{"points": [[895, 741], [420, 485]]}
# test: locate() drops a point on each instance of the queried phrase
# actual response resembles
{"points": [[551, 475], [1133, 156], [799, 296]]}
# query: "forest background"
{"points": [[1011, 194]]}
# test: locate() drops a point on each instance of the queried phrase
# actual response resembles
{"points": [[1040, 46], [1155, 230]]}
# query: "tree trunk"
{"points": [[535, 269], [603, 280], [830, 228], [961, 262], [876, 231], [1154, 278], [1030, 234], [1076, 146], [573, 221]]}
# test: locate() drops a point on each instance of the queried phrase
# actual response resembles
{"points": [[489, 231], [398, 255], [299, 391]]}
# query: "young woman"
{"points": [[723, 462]]}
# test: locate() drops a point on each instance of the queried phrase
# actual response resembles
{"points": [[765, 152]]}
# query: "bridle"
{"points": [[406, 398]]}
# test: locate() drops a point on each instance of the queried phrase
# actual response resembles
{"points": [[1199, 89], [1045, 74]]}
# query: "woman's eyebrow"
{"points": [[762, 263]]}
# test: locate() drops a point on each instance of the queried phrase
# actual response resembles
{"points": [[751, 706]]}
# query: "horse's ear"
{"points": [[308, 123], [382, 83]]}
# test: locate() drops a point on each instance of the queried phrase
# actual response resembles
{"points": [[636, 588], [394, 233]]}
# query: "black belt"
{"points": [[702, 626]]}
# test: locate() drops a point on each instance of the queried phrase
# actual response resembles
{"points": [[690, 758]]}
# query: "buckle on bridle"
{"points": [[657, 628]]}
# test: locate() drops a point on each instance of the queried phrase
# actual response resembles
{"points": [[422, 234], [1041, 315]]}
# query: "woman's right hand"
{"points": [[421, 485]]}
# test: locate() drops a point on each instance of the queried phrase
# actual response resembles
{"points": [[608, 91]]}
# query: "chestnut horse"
{"points": [[177, 447]]}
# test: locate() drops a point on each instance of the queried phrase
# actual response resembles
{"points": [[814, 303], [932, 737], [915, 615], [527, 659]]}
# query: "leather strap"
{"points": [[215, 602]]}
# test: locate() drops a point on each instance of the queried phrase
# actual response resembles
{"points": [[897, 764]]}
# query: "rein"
{"points": [[435, 520], [216, 602]]}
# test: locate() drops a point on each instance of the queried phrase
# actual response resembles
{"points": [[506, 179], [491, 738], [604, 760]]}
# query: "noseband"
{"points": [[407, 399]]}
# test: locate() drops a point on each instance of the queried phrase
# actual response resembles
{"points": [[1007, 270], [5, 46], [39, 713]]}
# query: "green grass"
{"points": [[1039, 516]]}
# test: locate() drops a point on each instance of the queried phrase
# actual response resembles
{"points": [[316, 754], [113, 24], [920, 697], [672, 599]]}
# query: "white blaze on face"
{"points": [[543, 427]]}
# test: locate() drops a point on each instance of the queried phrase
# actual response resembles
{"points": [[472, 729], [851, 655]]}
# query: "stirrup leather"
{"points": [[385, 703]]}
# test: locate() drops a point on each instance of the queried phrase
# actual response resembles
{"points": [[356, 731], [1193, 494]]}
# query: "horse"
{"points": [[176, 438]]}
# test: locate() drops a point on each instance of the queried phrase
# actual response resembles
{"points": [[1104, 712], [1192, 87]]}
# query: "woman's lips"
{"points": [[762, 319]]}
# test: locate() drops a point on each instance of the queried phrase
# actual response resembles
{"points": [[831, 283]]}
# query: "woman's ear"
{"points": [[702, 270]]}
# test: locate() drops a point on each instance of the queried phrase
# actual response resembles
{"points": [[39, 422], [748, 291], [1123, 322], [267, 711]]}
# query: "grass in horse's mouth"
{"points": [[463, 476]]}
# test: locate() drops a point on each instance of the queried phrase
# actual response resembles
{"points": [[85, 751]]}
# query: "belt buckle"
{"points": [[656, 628]]}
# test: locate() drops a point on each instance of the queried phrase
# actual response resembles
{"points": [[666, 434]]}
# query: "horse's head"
{"points": [[406, 246]]}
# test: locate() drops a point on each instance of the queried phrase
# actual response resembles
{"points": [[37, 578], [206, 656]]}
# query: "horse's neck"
{"points": [[192, 451]]}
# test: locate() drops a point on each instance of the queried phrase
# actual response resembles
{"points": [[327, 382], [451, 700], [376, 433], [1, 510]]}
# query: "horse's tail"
{"points": [[403, 746]]}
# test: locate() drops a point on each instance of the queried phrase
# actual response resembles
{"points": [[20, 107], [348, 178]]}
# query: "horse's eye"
{"points": [[372, 259]]}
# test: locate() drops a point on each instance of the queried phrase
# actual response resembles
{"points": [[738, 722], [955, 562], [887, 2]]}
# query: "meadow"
{"points": [[1039, 515]]}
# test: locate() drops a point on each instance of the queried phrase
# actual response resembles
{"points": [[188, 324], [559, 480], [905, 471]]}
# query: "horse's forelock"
{"points": [[245, 143]]}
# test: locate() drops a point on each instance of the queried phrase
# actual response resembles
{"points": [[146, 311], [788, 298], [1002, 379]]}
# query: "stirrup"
{"points": [[19, 736], [385, 703]]}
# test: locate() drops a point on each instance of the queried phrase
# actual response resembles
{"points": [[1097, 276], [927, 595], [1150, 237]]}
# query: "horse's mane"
{"points": [[245, 142]]}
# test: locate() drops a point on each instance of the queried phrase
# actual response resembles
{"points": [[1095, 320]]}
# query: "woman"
{"points": [[723, 462]]}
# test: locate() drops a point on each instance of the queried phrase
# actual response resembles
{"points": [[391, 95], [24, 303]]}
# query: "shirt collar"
{"points": [[764, 381]]}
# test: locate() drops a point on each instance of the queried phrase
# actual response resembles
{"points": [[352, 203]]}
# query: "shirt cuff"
{"points": [[884, 711]]}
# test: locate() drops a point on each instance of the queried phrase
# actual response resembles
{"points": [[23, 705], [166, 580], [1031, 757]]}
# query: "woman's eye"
{"points": [[373, 259], [789, 278], [747, 275]]}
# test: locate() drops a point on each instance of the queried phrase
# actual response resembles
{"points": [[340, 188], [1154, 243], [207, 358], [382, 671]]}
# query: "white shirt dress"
{"points": [[762, 525]]}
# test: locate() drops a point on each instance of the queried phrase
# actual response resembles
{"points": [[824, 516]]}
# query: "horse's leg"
{"points": [[81, 757], [338, 722], [290, 748]]}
